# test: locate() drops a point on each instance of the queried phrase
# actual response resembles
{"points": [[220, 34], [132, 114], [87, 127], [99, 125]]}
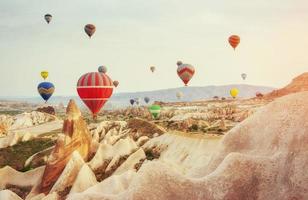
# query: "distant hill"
{"points": [[192, 93], [166, 95], [298, 84]]}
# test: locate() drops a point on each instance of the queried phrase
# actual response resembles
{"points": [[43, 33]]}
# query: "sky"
{"points": [[132, 35]]}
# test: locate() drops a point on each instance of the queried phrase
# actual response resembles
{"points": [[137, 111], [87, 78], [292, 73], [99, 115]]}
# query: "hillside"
{"points": [[298, 84]]}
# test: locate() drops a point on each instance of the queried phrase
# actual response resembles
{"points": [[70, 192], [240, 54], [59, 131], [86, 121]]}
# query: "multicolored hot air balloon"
{"points": [[179, 95], [152, 68], [132, 101], [44, 74], [234, 92], [94, 89], [244, 76], [234, 41], [48, 18], [46, 89], [90, 29], [146, 99], [102, 69], [155, 111], [116, 83], [185, 72]]}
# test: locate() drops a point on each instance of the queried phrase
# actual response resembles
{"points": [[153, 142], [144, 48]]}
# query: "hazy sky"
{"points": [[132, 35]]}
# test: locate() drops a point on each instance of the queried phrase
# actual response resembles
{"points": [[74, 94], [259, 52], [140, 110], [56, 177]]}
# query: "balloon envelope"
{"points": [[152, 68], [185, 72], [46, 89], [48, 18], [116, 83], [179, 95], [234, 92], [155, 111], [146, 99], [90, 29], [44, 74], [132, 101], [244, 76], [137, 100], [102, 69], [94, 89], [234, 41], [178, 63]]}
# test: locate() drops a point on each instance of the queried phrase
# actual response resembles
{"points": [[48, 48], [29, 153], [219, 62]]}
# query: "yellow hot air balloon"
{"points": [[44, 74], [234, 92]]}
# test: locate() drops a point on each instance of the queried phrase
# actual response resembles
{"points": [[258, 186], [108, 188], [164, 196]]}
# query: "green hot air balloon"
{"points": [[155, 111]]}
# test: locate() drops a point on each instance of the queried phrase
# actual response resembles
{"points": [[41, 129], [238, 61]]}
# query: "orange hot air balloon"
{"points": [[234, 41]]}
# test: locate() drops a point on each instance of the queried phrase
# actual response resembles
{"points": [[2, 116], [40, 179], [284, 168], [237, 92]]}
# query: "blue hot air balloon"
{"points": [[132, 101], [46, 90]]}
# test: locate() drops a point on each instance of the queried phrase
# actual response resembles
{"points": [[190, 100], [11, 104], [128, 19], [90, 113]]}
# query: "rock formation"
{"points": [[18, 182], [75, 137], [47, 109], [9, 195], [85, 179], [144, 128], [298, 84], [24, 120], [31, 119], [265, 157]]}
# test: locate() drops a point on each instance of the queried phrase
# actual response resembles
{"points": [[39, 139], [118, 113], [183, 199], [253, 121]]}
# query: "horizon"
{"points": [[149, 91]]}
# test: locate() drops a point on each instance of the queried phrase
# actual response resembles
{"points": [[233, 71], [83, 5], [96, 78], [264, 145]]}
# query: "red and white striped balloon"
{"points": [[185, 72], [94, 89]]}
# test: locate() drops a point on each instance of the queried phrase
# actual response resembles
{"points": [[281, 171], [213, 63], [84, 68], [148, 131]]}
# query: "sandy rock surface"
{"points": [[264, 157], [75, 137]]}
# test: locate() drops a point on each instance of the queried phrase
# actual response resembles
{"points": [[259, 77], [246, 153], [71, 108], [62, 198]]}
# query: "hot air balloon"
{"points": [[48, 18], [146, 99], [234, 40], [137, 100], [90, 29], [155, 111], [132, 101], [46, 89], [234, 92], [152, 68], [116, 83], [94, 89], [244, 76], [102, 69], [179, 95], [179, 63], [44, 74], [185, 72]]}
